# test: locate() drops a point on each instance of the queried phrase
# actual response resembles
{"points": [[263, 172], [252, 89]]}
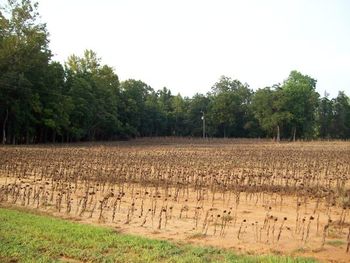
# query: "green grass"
{"points": [[27, 237]]}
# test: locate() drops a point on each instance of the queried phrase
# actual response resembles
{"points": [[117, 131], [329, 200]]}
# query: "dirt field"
{"points": [[249, 195]]}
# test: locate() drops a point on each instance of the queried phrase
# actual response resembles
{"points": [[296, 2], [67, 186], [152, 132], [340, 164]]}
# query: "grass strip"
{"points": [[28, 237]]}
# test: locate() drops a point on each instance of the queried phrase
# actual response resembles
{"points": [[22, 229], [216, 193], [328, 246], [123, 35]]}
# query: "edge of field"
{"points": [[26, 236]]}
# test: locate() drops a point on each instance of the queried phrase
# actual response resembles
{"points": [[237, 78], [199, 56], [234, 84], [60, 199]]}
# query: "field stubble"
{"points": [[249, 195]]}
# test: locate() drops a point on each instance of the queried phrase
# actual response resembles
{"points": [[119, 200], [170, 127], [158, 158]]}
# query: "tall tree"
{"points": [[57, 106], [166, 109], [134, 97], [198, 106], [268, 108], [179, 110], [94, 89], [324, 116], [340, 127], [153, 116], [229, 108], [300, 99], [24, 57]]}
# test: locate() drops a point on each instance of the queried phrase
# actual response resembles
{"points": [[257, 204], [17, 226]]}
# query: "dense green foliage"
{"points": [[27, 237], [42, 100]]}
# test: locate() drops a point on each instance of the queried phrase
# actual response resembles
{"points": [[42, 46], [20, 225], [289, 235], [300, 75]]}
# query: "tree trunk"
{"points": [[294, 132], [4, 127], [53, 136], [278, 134]]}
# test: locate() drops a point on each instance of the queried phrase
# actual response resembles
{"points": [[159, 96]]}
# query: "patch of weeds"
{"points": [[335, 243]]}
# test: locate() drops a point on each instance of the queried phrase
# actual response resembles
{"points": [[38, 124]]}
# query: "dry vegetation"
{"points": [[250, 195]]}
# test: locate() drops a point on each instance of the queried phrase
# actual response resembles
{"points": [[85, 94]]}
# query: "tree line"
{"points": [[42, 100]]}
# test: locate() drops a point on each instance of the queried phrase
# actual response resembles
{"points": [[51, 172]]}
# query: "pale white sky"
{"points": [[186, 45]]}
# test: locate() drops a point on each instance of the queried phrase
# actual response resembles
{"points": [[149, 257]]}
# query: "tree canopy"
{"points": [[42, 100]]}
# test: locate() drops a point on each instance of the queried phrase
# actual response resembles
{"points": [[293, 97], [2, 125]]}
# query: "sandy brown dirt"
{"points": [[247, 220]]}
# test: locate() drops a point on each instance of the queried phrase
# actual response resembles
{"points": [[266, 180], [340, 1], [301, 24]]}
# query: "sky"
{"points": [[186, 45]]}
